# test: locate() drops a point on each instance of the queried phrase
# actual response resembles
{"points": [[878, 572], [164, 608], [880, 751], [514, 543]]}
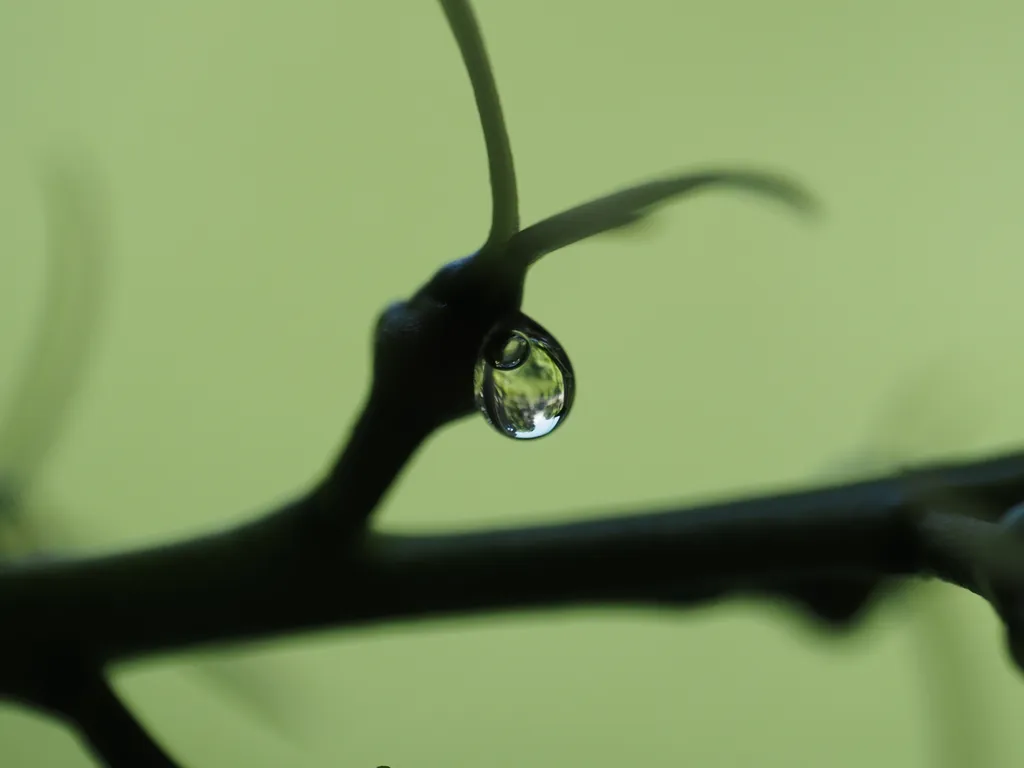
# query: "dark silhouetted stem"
{"points": [[112, 733], [382, 441], [77, 692], [264, 579]]}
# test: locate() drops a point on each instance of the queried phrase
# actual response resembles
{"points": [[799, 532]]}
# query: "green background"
{"points": [[276, 172]]}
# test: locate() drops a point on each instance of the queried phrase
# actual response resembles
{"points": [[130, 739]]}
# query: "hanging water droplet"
{"points": [[523, 382]]}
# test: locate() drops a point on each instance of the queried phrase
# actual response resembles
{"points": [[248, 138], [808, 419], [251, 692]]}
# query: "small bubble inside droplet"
{"points": [[514, 352], [523, 382]]}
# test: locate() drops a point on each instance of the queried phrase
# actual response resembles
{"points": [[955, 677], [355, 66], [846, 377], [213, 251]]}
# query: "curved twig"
{"points": [[628, 206], [504, 196]]}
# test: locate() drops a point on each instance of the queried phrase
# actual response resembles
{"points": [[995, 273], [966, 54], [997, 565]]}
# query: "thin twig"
{"points": [[504, 196]]}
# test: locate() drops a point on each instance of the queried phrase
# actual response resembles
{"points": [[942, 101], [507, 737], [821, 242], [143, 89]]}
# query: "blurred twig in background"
{"points": [[927, 413], [42, 404]]}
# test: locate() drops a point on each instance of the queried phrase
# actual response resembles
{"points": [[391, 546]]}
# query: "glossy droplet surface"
{"points": [[523, 382]]}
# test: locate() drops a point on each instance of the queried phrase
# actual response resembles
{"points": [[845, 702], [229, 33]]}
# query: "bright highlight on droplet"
{"points": [[523, 381]]}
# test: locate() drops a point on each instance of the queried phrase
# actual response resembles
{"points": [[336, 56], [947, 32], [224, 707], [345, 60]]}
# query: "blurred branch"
{"points": [[828, 550], [281, 574]]}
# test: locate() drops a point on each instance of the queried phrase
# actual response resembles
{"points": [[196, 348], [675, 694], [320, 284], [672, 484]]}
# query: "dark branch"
{"points": [[110, 732], [76, 691], [280, 575]]}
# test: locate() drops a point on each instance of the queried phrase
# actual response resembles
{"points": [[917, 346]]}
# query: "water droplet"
{"points": [[524, 382]]}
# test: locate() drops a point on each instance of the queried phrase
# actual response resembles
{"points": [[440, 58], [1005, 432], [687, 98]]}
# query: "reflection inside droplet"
{"points": [[524, 383], [512, 353]]}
